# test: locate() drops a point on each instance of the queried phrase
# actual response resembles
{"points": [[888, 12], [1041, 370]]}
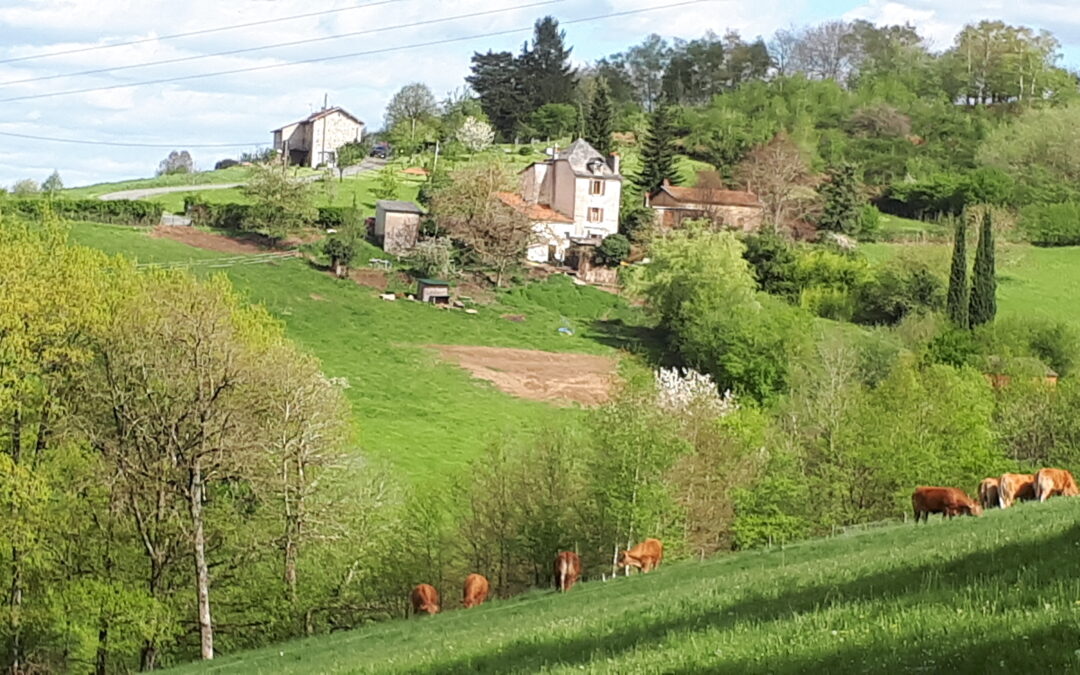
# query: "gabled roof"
{"points": [[714, 196], [398, 206], [534, 212], [585, 160], [321, 114]]}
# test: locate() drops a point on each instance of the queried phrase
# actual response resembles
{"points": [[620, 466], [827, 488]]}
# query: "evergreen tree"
{"points": [[842, 208], [600, 119], [957, 302], [984, 281], [545, 70], [496, 79], [658, 153]]}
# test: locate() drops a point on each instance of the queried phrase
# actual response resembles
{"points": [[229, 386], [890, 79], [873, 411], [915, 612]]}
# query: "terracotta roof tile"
{"points": [[535, 212], [715, 196]]}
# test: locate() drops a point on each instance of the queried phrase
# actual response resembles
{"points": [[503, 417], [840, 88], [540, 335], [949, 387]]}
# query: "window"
{"points": [[596, 215], [596, 187]]}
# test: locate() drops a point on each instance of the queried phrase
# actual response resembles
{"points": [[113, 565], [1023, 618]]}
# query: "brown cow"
{"points": [[1050, 482], [1013, 486], [425, 599], [645, 556], [476, 590], [947, 501], [567, 570], [988, 493]]}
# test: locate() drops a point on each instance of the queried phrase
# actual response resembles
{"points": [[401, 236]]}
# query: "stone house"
{"points": [[397, 225], [736, 209], [315, 139], [573, 195]]}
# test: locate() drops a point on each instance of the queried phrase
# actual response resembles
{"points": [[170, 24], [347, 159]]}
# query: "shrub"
{"points": [[635, 221], [1051, 224], [947, 193], [613, 250], [118, 211], [338, 217], [219, 216], [896, 290], [225, 164], [433, 257]]}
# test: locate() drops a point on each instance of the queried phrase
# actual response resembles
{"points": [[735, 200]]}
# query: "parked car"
{"points": [[381, 150]]}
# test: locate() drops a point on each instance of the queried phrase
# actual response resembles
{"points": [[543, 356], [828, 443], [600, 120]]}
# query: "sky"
{"points": [[384, 44]]}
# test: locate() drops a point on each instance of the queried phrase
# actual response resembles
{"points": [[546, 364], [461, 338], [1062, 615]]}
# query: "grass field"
{"points": [[997, 594], [1032, 281], [236, 174], [426, 417]]}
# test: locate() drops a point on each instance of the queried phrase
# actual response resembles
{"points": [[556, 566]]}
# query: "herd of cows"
{"points": [[1003, 492], [646, 556]]}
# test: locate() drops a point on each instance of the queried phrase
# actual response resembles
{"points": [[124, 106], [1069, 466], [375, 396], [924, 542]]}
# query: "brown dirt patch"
{"points": [[516, 318], [206, 240], [317, 297], [541, 376], [368, 277]]}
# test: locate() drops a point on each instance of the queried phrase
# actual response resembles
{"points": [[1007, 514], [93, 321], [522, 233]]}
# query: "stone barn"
{"points": [[735, 209], [315, 140], [397, 225]]}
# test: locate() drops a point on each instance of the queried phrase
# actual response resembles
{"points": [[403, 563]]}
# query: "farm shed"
{"points": [[733, 208], [397, 225], [434, 291]]}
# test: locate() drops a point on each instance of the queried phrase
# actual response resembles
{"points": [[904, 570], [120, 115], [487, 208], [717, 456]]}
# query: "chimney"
{"points": [[613, 162]]}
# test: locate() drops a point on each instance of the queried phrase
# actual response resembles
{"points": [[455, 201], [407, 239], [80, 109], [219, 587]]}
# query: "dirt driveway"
{"points": [[206, 240], [554, 377]]}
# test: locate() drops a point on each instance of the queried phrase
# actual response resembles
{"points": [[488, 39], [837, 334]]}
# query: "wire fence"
{"points": [[256, 259]]}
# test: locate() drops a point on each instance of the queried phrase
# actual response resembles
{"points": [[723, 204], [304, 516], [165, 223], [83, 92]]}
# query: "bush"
{"points": [[613, 250], [635, 221], [339, 217], [896, 290], [946, 193], [225, 164], [772, 259], [118, 211], [1051, 224], [219, 216]]}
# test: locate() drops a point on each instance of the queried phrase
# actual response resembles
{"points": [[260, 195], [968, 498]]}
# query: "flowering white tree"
{"points": [[475, 134], [678, 389]]}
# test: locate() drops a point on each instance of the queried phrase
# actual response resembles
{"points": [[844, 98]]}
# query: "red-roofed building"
{"points": [[733, 208]]}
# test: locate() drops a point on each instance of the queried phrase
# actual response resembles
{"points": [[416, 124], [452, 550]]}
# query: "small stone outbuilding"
{"points": [[397, 225], [736, 209]]}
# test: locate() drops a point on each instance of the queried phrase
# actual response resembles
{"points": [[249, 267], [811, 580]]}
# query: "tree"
{"points": [[468, 207], [281, 204], [983, 306], [387, 185], [613, 250], [351, 154], [600, 120], [658, 153], [842, 204], [646, 64], [957, 300], [554, 120], [176, 162], [496, 79], [545, 68], [777, 173], [25, 187], [52, 184], [412, 104], [476, 135], [341, 249]]}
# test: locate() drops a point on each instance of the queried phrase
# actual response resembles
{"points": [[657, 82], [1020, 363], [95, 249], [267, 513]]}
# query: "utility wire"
{"points": [[130, 145], [231, 52], [323, 59], [205, 31]]}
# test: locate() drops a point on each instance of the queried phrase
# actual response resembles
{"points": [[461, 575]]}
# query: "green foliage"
{"points": [[896, 291], [1038, 152], [983, 306], [177, 162], [600, 119], [658, 153], [280, 204], [388, 184], [772, 259], [947, 193], [352, 153], [554, 120], [956, 305], [635, 220], [341, 249], [613, 250], [1051, 224], [119, 211], [842, 208], [52, 184]]}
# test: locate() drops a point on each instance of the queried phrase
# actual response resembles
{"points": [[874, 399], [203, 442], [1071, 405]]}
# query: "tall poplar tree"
{"points": [[983, 306], [658, 153], [957, 299], [600, 119]]}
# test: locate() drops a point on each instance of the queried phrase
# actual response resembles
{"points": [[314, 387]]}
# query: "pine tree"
{"points": [[658, 153], [983, 281], [957, 301], [842, 208], [545, 70], [496, 79], [600, 119]]}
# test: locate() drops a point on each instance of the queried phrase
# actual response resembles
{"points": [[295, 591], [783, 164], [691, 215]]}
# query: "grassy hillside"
{"points": [[236, 174], [427, 417], [1032, 281], [997, 594]]}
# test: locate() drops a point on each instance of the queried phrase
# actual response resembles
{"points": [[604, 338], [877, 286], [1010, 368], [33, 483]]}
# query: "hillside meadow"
{"points": [[995, 594]]}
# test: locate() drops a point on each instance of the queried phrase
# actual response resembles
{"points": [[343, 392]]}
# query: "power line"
{"points": [[131, 145], [323, 59], [231, 52], [204, 31]]}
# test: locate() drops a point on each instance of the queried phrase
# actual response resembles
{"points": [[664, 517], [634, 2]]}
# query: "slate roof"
{"points": [[586, 161], [398, 206]]}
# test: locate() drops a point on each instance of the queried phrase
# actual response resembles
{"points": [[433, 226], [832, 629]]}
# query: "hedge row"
{"points": [[118, 211], [238, 216]]}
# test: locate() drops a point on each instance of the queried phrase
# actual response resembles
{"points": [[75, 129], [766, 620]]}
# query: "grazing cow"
{"points": [[476, 590], [1050, 482], [1013, 486], [988, 493], [425, 599], [947, 501], [567, 570], [645, 556]]}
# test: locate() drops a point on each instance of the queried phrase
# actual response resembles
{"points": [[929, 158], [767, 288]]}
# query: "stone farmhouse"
{"points": [[571, 198], [314, 140], [736, 209]]}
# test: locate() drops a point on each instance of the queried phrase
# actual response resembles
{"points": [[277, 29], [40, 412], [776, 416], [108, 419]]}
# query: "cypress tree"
{"points": [[658, 153], [841, 211], [983, 306], [957, 300], [600, 119]]}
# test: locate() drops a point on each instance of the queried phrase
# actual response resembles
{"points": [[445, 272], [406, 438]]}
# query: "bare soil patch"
{"points": [[371, 278], [554, 377], [207, 240]]}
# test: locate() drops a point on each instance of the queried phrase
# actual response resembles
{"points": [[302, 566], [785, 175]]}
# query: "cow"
{"points": [[1050, 482], [645, 556], [988, 493], [425, 599], [567, 570], [1013, 486], [947, 501], [476, 590]]}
